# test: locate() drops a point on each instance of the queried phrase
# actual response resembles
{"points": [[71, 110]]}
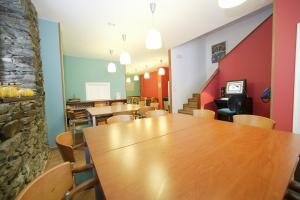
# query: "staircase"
{"points": [[193, 103]]}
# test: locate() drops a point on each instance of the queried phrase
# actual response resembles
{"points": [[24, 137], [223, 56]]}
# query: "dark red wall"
{"points": [[156, 86], [149, 87], [286, 17], [251, 60]]}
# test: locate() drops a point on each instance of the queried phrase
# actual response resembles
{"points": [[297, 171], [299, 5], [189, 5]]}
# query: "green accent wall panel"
{"points": [[78, 71], [133, 88]]}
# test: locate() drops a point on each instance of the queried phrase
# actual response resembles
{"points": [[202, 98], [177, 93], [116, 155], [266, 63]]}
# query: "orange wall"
{"points": [[156, 86], [250, 60], [286, 17]]}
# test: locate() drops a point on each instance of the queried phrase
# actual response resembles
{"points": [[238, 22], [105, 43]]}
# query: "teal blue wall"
{"points": [[137, 90], [78, 71], [50, 53]]}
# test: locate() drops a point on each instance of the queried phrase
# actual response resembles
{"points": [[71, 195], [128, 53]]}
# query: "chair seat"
{"points": [[226, 111], [80, 127]]}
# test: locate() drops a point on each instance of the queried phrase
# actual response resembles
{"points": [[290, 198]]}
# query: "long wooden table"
{"points": [[110, 110], [182, 157]]}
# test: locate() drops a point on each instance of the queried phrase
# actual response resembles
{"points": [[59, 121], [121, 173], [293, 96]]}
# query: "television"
{"points": [[236, 87]]}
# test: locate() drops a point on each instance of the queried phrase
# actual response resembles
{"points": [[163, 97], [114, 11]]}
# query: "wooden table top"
{"points": [[181, 157], [106, 110]]}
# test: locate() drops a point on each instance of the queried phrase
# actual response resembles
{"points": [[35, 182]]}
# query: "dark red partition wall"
{"points": [[286, 17], [149, 87], [156, 86], [250, 60]]}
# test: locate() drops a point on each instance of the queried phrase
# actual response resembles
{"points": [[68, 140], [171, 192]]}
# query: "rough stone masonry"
{"points": [[23, 136]]}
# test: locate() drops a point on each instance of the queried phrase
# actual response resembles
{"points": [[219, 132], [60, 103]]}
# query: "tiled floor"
{"points": [[55, 159]]}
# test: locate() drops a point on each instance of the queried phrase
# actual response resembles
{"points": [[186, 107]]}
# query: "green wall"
{"points": [[78, 71], [51, 64], [136, 87]]}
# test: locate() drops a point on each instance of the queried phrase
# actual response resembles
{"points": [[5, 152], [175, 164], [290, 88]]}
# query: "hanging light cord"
{"points": [[124, 40], [152, 9]]}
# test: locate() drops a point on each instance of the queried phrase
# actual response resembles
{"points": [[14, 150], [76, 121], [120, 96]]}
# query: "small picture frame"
{"points": [[218, 52]]}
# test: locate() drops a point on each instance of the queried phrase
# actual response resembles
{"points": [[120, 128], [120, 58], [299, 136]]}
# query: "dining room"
{"points": [[149, 99]]}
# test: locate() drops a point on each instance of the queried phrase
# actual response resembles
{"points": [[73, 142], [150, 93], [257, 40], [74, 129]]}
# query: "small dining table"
{"points": [[183, 157], [95, 112]]}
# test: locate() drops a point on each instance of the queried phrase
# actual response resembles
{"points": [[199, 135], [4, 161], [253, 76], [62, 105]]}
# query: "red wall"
{"points": [[156, 86], [149, 87], [286, 16], [250, 60]]}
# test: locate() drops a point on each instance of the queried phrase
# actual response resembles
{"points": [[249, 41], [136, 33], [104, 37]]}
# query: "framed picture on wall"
{"points": [[218, 51]]}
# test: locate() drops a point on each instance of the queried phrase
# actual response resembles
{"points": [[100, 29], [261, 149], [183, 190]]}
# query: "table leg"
{"points": [[94, 121]]}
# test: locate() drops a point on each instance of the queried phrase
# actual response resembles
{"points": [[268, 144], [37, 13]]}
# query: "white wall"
{"points": [[296, 121], [188, 71], [191, 61]]}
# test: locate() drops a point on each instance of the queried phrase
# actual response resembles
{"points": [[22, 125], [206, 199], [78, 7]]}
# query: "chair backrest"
{"points": [[142, 103], [203, 113], [254, 120], [143, 110], [155, 105], [154, 113], [51, 185], [64, 142], [237, 103], [117, 103], [100, 104], [119, 118]]}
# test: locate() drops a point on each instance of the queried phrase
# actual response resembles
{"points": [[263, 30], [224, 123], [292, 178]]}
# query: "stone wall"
{"points": [[23, 137]]}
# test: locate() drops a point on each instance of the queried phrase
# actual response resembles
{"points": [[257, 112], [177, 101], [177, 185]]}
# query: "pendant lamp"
{"points": [[153, 38], [125, 56], [111, 67]]}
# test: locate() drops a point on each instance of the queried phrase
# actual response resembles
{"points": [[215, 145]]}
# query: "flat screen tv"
{"points": [[236, 87]]}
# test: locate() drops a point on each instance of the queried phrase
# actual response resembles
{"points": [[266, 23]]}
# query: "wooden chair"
{"points": [[154, 113], [99, 104], [65, 144], [66, 147], [78, 120], [119, 118], [155, 105], [254, 120], [141, 113], [117, 103], [203, 113], [142, 103], [57, 183]]}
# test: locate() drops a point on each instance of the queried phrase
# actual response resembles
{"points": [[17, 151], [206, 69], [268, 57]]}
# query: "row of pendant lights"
{"points": [[153, 38], [161, 72], [153, 41]]}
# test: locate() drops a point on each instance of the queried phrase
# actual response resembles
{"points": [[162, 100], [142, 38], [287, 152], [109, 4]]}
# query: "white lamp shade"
{"points": [[230, 3], [136, 78], [161, 71], [111, 67], [125, 58], [146, 75], [128, 80], [153, 39]]}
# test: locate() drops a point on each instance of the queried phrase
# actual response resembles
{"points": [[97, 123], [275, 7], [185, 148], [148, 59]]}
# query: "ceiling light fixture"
{"points": [[161, 70], [230, 3], [128, 80], [153, 38], [146, 75], [136, 78], [125, 56], [111, 67]]}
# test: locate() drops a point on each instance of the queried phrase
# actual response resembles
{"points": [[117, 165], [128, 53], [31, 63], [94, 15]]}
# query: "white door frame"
{"points": [[296, 118]]}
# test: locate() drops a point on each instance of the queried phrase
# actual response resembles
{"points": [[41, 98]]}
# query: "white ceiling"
{"points": [[86, 31]]}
